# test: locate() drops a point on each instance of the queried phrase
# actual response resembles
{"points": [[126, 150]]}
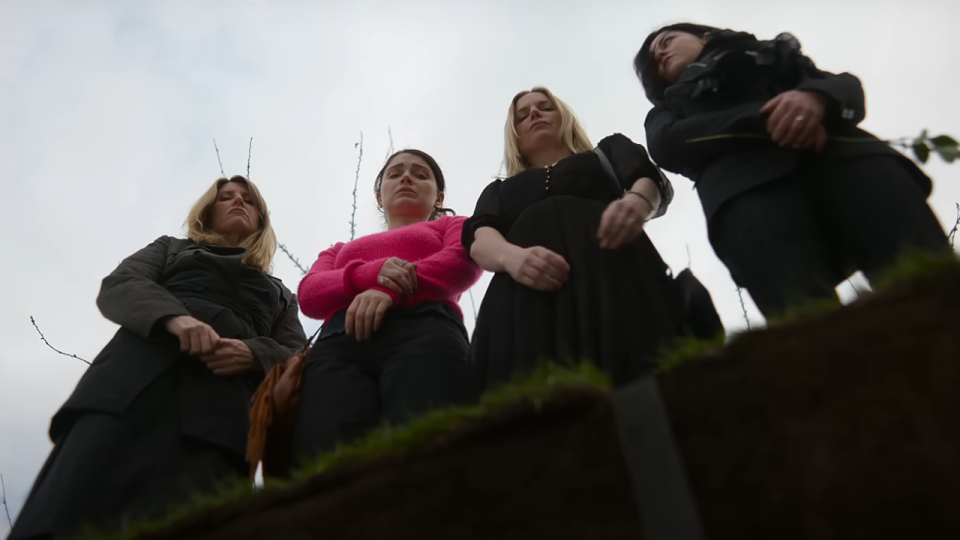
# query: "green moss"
{"points": [[536, 386], [912, 265], [686, 350], [224, 494]]}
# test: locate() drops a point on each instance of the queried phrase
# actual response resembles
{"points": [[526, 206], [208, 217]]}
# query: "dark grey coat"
{"points": [[173, 277]]}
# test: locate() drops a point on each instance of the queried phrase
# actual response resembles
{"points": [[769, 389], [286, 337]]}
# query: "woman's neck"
{"points": [[548, 156], [395, 222]]}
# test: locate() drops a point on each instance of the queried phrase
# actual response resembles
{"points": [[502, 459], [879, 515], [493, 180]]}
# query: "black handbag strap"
{"points": [[608, 167], [662, 494]]}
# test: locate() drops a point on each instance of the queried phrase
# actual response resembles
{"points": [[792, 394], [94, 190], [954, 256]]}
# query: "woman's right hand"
{"points": [[398, 275], [366, 312], [538, 268], [196, 338]]}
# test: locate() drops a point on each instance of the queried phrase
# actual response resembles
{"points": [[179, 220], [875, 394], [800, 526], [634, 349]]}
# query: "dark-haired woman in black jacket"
{"points": [[796, 196]]}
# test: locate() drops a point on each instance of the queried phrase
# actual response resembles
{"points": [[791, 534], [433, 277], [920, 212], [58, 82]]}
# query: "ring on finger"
{"points": [[799, 118]]}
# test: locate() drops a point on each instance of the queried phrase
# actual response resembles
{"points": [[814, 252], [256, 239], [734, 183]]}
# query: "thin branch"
{"points": [[356, 182], [5, 507], [474, 304], [222, 174], [743, 306], [689, 260], [854, 287], [249, 153], [953, 232], [296, 262], [390, 148], [44, 339]]}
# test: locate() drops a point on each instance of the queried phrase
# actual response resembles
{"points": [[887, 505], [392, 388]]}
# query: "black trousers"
{"points": [[108, 471], [412, 364], [794, 239]]}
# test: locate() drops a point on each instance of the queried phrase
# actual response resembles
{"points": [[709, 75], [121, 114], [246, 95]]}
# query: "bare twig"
{"points": [[743, 306], [249, 153], [856, 291], [390, 148], [5, 507], [473, 303], [689, 260], [953, 232], [222, 174], [44, 339], [356, 182], [296, 262]]}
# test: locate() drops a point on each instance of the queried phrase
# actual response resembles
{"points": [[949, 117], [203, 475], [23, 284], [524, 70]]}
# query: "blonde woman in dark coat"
{"points": [[162, 412]]}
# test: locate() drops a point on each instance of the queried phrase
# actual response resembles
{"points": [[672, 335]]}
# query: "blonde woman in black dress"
{"points": [[576, 276]]}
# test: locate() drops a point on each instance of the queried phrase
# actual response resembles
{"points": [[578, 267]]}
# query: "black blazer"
{"points": [[180, 277], [723, 93]]}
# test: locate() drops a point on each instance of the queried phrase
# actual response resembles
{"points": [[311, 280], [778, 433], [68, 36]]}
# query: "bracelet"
{"points": [[631, 192]]}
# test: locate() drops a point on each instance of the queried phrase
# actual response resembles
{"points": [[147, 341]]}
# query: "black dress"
{"points": [[148, 426], [618, 307]]}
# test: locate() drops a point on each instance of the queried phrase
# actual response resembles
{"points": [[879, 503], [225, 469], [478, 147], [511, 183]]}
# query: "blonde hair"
{"points": [[572, 134], [260, 245]]}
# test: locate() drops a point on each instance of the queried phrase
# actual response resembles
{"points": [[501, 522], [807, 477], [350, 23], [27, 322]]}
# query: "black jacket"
{"points": [[722, 94], [180, 277]]}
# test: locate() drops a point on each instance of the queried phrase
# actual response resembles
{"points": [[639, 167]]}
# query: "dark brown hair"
{"points": [[437, 175], [646, 68]]}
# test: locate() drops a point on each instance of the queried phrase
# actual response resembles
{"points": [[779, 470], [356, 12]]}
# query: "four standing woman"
{"points": [[796, 197]]}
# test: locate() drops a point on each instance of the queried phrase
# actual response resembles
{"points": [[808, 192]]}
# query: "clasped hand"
{"points": [[222, 356], [796, 120]]}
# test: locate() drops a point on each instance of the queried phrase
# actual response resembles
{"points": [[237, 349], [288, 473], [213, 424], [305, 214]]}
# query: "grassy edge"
{"points": [[535, 386], [911, 266]]}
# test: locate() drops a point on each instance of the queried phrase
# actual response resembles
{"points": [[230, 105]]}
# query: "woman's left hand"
{"points": [[622, 221], [795, 117], [230, 357]]}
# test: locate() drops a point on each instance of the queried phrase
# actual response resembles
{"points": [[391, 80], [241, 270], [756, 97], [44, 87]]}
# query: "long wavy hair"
{"points": [[260, 246], [572, 133]]}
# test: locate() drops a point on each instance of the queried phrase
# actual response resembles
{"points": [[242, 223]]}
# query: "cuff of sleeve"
{"points": [[259, 357], [397, 299], [836, 111], [156, 325], [471, 225], [360, 276]]}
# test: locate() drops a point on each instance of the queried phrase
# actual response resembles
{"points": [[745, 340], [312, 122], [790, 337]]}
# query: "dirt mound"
{"points": [[843, 426]]}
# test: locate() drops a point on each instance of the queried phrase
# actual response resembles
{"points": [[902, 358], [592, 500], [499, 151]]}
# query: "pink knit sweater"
{"points": [[444, 269]]}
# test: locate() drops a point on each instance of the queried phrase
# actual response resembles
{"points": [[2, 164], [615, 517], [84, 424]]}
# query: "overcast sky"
{"points": [[109, 109]]}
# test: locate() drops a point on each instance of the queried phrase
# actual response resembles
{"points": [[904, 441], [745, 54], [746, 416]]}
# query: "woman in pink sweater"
{"points": [[393, 341]]}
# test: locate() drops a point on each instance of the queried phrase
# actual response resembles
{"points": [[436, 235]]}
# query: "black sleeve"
{"points": [[846, 103], [131, 295], [488, 213], [631, 162], [676, 143], [287, 337]]}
